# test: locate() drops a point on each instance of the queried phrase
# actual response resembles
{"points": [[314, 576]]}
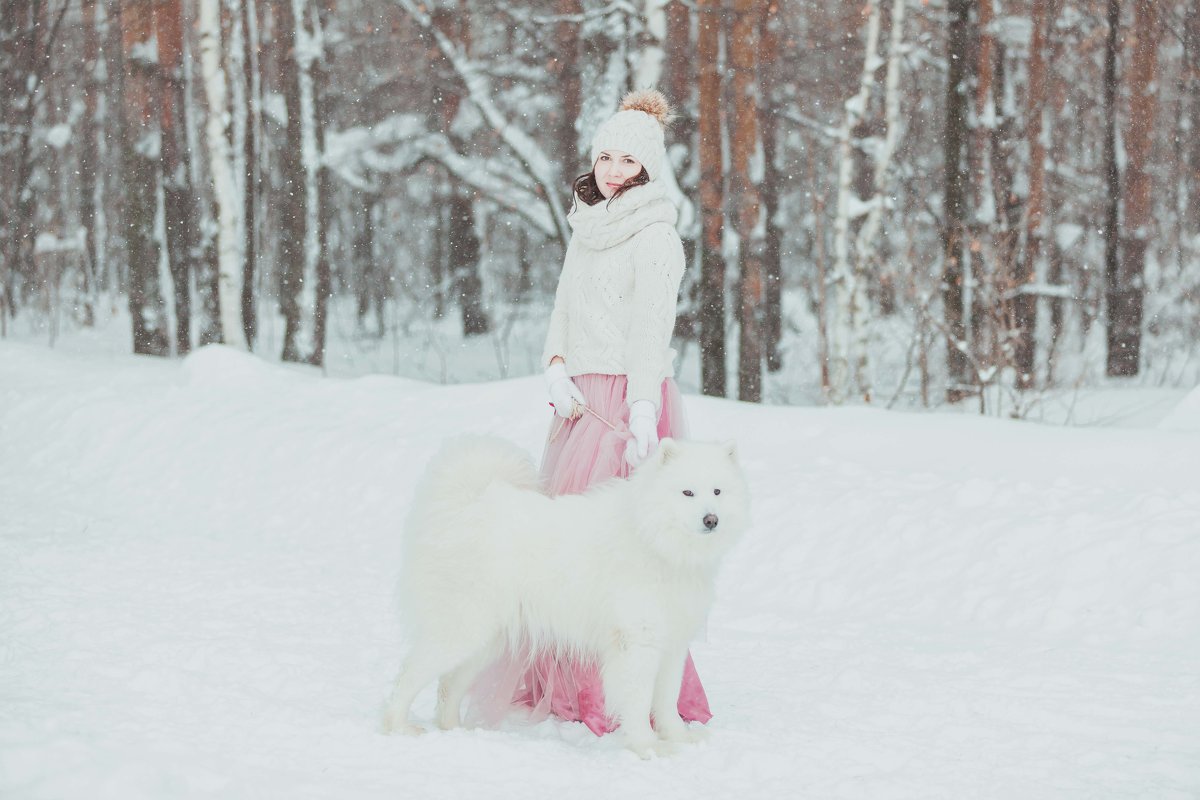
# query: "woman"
{"points": [[608, 358]]}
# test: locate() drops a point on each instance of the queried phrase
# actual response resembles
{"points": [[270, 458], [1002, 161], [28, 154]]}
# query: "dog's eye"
{"points": [[716, 491], [688, 493]]}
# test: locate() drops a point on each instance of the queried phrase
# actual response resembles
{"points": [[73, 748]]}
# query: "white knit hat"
{"points": [[638, 129]]}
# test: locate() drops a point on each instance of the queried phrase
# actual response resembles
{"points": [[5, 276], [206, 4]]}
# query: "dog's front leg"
{"points": [[667, 722], [629, 675]]}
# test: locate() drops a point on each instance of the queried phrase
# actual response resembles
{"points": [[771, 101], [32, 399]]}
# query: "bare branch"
{"points": [[533, 160]]}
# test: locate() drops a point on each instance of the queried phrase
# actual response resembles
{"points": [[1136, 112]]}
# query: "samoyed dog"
{"points": [[622, 574]]}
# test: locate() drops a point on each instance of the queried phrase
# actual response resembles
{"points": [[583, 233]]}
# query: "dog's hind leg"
{"points": [[423, 665], [453, 686]]}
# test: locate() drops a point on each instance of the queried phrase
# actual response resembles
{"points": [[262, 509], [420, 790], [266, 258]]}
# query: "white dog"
{"points": [[623, 573]]}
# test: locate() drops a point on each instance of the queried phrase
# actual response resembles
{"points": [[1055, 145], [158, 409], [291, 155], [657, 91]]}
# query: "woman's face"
{"points": [[613, 168]]}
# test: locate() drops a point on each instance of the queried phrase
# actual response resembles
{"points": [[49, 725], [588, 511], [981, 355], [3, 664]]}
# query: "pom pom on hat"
{"points": [[638, 129], [649, 101]]}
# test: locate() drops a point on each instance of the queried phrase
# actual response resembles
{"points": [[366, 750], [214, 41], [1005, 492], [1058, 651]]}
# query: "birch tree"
{"points": [[228, 203], [848, 367], [866, 243], [649, 58]]}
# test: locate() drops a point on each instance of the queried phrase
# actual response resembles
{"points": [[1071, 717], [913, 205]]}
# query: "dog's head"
{"points": [[693, 502]]}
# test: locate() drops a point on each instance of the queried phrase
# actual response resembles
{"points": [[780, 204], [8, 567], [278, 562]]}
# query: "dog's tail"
{"points": [[467, 465]]}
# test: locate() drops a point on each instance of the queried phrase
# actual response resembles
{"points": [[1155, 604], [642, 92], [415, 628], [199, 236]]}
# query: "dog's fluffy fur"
{"points": [[623, 573]]}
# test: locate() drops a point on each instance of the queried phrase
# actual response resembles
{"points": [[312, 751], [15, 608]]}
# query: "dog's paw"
{"points": [[683, 734], [406, 729], [449, 723], [651, 748], [395, 724], [642, 747], [663, 748]]}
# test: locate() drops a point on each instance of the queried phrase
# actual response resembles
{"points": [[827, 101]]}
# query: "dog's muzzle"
{"points": [[710, 521]]}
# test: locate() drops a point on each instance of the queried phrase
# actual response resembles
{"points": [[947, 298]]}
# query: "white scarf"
{"points": [[606, 224]]}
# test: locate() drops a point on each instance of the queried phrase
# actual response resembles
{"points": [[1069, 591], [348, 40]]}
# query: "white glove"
{"points": [[564, 394], [643, 424]]}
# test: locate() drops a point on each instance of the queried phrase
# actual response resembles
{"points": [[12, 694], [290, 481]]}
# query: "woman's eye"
{"points": [[688, 493], [716, 491]]}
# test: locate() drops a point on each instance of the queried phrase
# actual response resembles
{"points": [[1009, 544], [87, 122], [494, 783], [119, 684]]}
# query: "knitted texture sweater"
{"points": [[614, 310]]}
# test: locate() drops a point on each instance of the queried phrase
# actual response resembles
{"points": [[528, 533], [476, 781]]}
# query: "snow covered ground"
{"points": [[197, 561]]}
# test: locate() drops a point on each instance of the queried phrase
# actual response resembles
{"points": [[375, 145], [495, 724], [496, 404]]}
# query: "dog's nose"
{"points": [[710, 521]]}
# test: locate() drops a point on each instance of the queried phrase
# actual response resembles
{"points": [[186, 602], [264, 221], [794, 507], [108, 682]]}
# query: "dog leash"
{"points": [[562, 423]]}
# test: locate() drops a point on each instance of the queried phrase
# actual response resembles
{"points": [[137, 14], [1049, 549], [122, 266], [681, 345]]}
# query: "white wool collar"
{"points": [[607, 224]]}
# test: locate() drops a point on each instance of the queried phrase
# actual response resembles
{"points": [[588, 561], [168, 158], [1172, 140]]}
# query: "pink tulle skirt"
{"points": [[580, 453]]}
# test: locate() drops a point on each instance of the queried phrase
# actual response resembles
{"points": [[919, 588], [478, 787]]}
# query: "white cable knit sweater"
{"points": [[615, 306]]}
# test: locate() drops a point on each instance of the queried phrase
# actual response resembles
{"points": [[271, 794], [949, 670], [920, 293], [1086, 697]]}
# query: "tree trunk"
{"points": [[564, 73], [649, 55], [369, 286], [462, 243], [867, 241], [993, 305], [27, 34], [982, 246], [680, 82], [748, 211], [772, 180], [179, 206], [849, 311], [8, 88], [712, 278], [252, 147], [464, 265], [140, 147], [1127, 292], [89, 159], [1112, 170], [320, 183], [207, 276], [681, 68], [292, 200], [960, 381], [1192, 143], [1025, 279], [229, 243]]}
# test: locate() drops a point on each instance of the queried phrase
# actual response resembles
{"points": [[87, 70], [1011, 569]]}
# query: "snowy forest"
{"points": [[914, 201]]}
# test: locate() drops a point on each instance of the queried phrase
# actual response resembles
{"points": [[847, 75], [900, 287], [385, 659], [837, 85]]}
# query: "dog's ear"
{"points": [[730, 447], [667, 449]]}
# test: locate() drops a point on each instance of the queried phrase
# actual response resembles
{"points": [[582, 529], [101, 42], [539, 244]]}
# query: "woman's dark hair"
{"points": [[586, 189]]}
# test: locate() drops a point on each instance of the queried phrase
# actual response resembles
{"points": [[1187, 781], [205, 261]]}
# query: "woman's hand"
{"points": [[643, 424], [564, 394]]}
